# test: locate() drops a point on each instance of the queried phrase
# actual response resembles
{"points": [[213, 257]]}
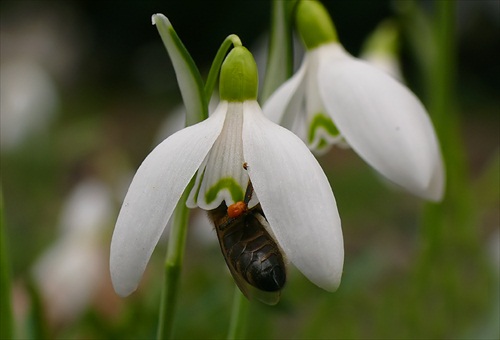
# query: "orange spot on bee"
{"points": [[236, 209]]}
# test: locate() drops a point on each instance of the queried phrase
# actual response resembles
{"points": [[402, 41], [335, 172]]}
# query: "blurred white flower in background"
{"points": [[176, 120], [70, 272], [381, 49], [40, 48], [28, 101], [335, 97]]}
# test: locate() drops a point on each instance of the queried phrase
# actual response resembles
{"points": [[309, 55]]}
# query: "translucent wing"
{"points": [[232, 227]]}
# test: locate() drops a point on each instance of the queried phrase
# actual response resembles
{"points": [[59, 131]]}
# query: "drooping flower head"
{"points": [[288, 183], [335, 98], [381, 49]]}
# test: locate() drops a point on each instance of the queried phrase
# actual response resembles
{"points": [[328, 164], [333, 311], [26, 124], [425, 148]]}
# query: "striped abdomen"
{"points": [[254, 253]]}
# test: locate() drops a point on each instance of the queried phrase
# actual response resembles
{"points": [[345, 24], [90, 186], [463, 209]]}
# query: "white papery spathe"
{"points": [[293, 191], [377, 116]]}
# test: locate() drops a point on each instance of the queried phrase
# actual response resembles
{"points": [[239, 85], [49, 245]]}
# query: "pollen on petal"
{"points": [[236, 209]]}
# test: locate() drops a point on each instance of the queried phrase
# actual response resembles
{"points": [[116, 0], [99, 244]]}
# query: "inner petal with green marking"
{"points": [[221, 177], [322, 133], [229, 184]]}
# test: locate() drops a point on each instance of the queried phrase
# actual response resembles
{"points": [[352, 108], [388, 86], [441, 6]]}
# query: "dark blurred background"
{"points": [[95, 83]]}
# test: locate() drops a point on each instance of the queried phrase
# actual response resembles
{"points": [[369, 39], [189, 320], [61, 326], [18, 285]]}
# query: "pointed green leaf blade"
{"points": [[188, 75], [280, 58]]}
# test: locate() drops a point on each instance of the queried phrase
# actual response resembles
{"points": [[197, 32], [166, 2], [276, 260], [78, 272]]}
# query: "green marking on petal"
{"points": [[322, 144], [225, 183], [324, 122]]}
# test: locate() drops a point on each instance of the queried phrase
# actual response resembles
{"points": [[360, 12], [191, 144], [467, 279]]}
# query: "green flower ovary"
{"points": [[239, 79], [314, 24]]}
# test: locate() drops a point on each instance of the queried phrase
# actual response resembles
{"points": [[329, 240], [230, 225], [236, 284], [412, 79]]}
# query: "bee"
{"points": [[251, 253]]}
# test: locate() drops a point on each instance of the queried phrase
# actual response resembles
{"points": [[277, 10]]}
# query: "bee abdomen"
{"points": [[266, 272], [257, 257]]}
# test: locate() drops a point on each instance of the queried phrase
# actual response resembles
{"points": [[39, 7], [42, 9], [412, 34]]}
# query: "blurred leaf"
{"points": [[188, 76], [280, 59], [6, 326]]}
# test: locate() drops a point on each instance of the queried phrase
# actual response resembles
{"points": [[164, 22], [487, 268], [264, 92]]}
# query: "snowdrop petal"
{"points": [[277, 105], [384, 123], [296, 198], [222, 178], [152, 197], [321, 131]]}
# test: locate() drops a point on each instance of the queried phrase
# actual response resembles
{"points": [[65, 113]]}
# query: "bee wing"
{"points": [[250, 292], [269, 298], [244, 287], [219, 219]]}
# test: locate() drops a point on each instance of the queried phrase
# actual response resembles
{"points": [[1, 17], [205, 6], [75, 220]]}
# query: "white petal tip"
{"points": [[158, 16], [329, 283], [435, 189], [122, 286], [123, 292], [434, 195], [331, 286]]}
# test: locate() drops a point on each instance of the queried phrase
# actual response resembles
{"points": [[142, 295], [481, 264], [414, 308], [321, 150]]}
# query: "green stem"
{"points": [[454, 217], [280, 56], [239, 315], [446, 119], [6, 329], [451, 251], [232, 39], [36, 324], [173, 265]]}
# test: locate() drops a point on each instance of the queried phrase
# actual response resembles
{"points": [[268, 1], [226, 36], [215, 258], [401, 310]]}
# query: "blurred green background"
{"points": [[85, 88]]}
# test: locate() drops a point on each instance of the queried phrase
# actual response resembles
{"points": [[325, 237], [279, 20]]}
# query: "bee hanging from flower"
{"points": [[251, 253], [284, 212]]}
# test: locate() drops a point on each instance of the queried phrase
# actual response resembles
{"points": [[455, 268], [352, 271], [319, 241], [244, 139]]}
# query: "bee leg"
{"points": [[249, 192], [226, 223]]}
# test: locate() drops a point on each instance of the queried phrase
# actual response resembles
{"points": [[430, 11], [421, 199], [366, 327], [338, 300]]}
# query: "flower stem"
{"points": [[455, 215], [173, 266], [239, 315], [6, 329], [232, 39], [280, 55], [451, 250]]}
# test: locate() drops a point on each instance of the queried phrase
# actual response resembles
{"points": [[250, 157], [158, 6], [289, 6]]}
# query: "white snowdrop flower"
{"points": [[288, 183], [71, 271], [336, 98]]}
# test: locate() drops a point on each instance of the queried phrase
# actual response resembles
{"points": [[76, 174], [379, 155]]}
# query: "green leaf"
{"points": [[280, 57], [188, 75], [6, 326]]}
